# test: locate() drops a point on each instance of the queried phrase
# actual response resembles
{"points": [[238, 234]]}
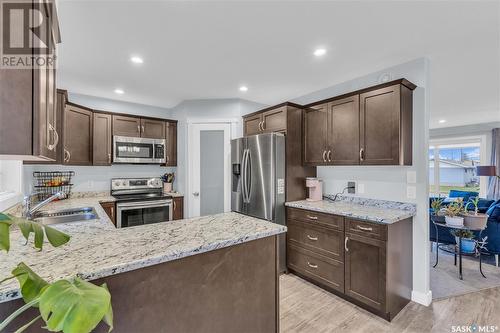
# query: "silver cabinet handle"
{"points": [[345, 244], [312, 238], [142, 128], [362, 154], [263, 125], [139, 128], [328, 156], [67, 155], [196, 194], [312, 217], [365, 228], [175, 206], [312, 265], [324, 155], [109, 158], [52, 131]]}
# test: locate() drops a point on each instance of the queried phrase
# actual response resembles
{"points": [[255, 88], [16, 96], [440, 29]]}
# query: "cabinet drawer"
{"points": [[326, 271], [367, 229], [322, 219], [327, 242]]}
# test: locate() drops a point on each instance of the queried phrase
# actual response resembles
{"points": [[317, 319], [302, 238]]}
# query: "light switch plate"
{"points": [[411, 192], [411, 177], [361, 188]]}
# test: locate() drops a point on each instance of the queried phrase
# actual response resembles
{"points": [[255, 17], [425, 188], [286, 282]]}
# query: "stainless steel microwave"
{"points": [[138, 150]]}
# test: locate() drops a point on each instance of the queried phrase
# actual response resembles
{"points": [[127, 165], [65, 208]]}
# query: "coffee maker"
{"points": [[315, 189]]}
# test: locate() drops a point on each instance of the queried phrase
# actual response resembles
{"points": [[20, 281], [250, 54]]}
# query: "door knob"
{"points": [[196, 194]]}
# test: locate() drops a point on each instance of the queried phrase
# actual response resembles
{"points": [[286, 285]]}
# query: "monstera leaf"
{"points": [[75, 306], [31, 284], [55, 237]]}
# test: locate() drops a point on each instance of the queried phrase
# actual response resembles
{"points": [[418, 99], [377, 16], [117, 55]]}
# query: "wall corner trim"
{"points": [[421, 297]]}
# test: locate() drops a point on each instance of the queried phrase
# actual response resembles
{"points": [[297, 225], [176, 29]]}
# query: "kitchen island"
{"points": [[214, 273]]}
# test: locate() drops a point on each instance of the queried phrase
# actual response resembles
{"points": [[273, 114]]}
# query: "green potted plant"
{"points": [[437, 211], [468, 242], [453, 213], [68, 305], [474, 220]]}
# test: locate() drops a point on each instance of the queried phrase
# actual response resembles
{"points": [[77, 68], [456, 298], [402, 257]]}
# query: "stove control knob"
{"points": [[116, 183], [124, 183]]}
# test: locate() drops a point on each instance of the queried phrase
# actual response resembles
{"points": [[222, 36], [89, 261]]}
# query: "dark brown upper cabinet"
{"points": [[386, 126], [78, 135], [171, 145], [251, 125], [315, 134], [102, 145], [266, 121], [343, 131], [372, 126], [153, 129], [28, 115], [126, 126]]}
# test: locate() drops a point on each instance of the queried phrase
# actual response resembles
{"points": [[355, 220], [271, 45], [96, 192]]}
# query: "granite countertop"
{"points": [[97, 249], [363, 210]]}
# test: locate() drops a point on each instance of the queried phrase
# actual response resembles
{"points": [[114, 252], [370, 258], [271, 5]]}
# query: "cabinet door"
{"points": [[126, 126], [171, 136], [102, 139], [365, 270], [77, 135], [252, 125], [274, 120], [153, 129], [380, 126], [343, 131], [109, 208], [315, 134], [178, 208]]}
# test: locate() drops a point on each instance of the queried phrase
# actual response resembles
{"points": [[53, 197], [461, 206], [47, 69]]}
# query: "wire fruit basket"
{"points": [[49, 183]]}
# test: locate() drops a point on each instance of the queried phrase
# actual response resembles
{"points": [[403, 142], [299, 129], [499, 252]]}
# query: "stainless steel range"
{"points": [[140, 201]]}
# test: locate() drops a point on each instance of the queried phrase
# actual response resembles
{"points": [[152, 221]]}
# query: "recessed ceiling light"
{"points": [[243, 88], [136, 60], [442, 121], [319, 52], [119, 91]]}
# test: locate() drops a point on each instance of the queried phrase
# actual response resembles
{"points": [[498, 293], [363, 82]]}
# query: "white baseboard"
{"points": [[421, 298]]}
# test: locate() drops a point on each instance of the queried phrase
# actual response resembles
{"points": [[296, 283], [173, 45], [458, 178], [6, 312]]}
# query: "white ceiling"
{"points": [[195, 50]]}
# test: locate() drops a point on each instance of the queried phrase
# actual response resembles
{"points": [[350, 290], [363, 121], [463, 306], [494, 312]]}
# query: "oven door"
{"points": [[131, 214], [137, 150]]}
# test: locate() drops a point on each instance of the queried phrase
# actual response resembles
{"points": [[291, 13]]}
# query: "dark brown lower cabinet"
{"points": [[110, 209], [178, 208], [368, 264]]}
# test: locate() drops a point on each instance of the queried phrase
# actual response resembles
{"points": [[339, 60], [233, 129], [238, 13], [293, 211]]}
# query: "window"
{"points": [[452, 165]]}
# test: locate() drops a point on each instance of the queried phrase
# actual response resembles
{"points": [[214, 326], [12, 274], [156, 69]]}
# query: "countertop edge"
{"points": [[404, 215]]}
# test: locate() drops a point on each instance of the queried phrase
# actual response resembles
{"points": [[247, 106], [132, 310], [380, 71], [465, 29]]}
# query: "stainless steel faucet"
{"points": [[28, 211]]}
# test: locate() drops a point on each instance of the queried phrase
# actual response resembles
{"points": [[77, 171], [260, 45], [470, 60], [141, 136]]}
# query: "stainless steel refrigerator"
{"points": [[258, 180]]}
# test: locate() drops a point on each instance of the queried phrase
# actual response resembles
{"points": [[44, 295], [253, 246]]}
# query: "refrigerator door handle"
{"points": [[244, 176], [248, 165]]}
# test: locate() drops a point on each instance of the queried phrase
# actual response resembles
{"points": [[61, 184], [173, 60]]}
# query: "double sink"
{"points": [[66, 215]]}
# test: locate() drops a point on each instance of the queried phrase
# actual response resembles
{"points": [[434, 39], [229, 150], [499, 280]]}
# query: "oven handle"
{"points": [[147, 204]]}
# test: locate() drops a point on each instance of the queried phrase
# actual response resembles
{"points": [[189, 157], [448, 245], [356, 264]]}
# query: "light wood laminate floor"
{"points": [[306, 308]]}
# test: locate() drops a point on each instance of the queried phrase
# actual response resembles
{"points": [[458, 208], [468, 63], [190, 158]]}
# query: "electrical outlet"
{"points": [[411, 192], [361, 188], [351, 187], [90, 184], [411, 177]]}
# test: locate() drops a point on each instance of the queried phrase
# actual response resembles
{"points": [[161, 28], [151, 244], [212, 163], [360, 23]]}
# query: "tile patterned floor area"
{"points": [[306, 308]]}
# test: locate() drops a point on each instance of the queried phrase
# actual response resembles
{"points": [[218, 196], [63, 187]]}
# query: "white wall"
{"points": [[390, 183], [97, 178]]}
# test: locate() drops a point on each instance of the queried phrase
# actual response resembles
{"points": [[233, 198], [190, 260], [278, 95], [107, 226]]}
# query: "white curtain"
{"points": [[494, 184]]}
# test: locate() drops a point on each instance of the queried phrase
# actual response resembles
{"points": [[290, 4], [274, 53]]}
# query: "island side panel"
{"points": [[233, 289]]}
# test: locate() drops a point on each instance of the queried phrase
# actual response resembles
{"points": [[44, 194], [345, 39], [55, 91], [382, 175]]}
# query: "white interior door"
{"points": [[209, 182]]}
